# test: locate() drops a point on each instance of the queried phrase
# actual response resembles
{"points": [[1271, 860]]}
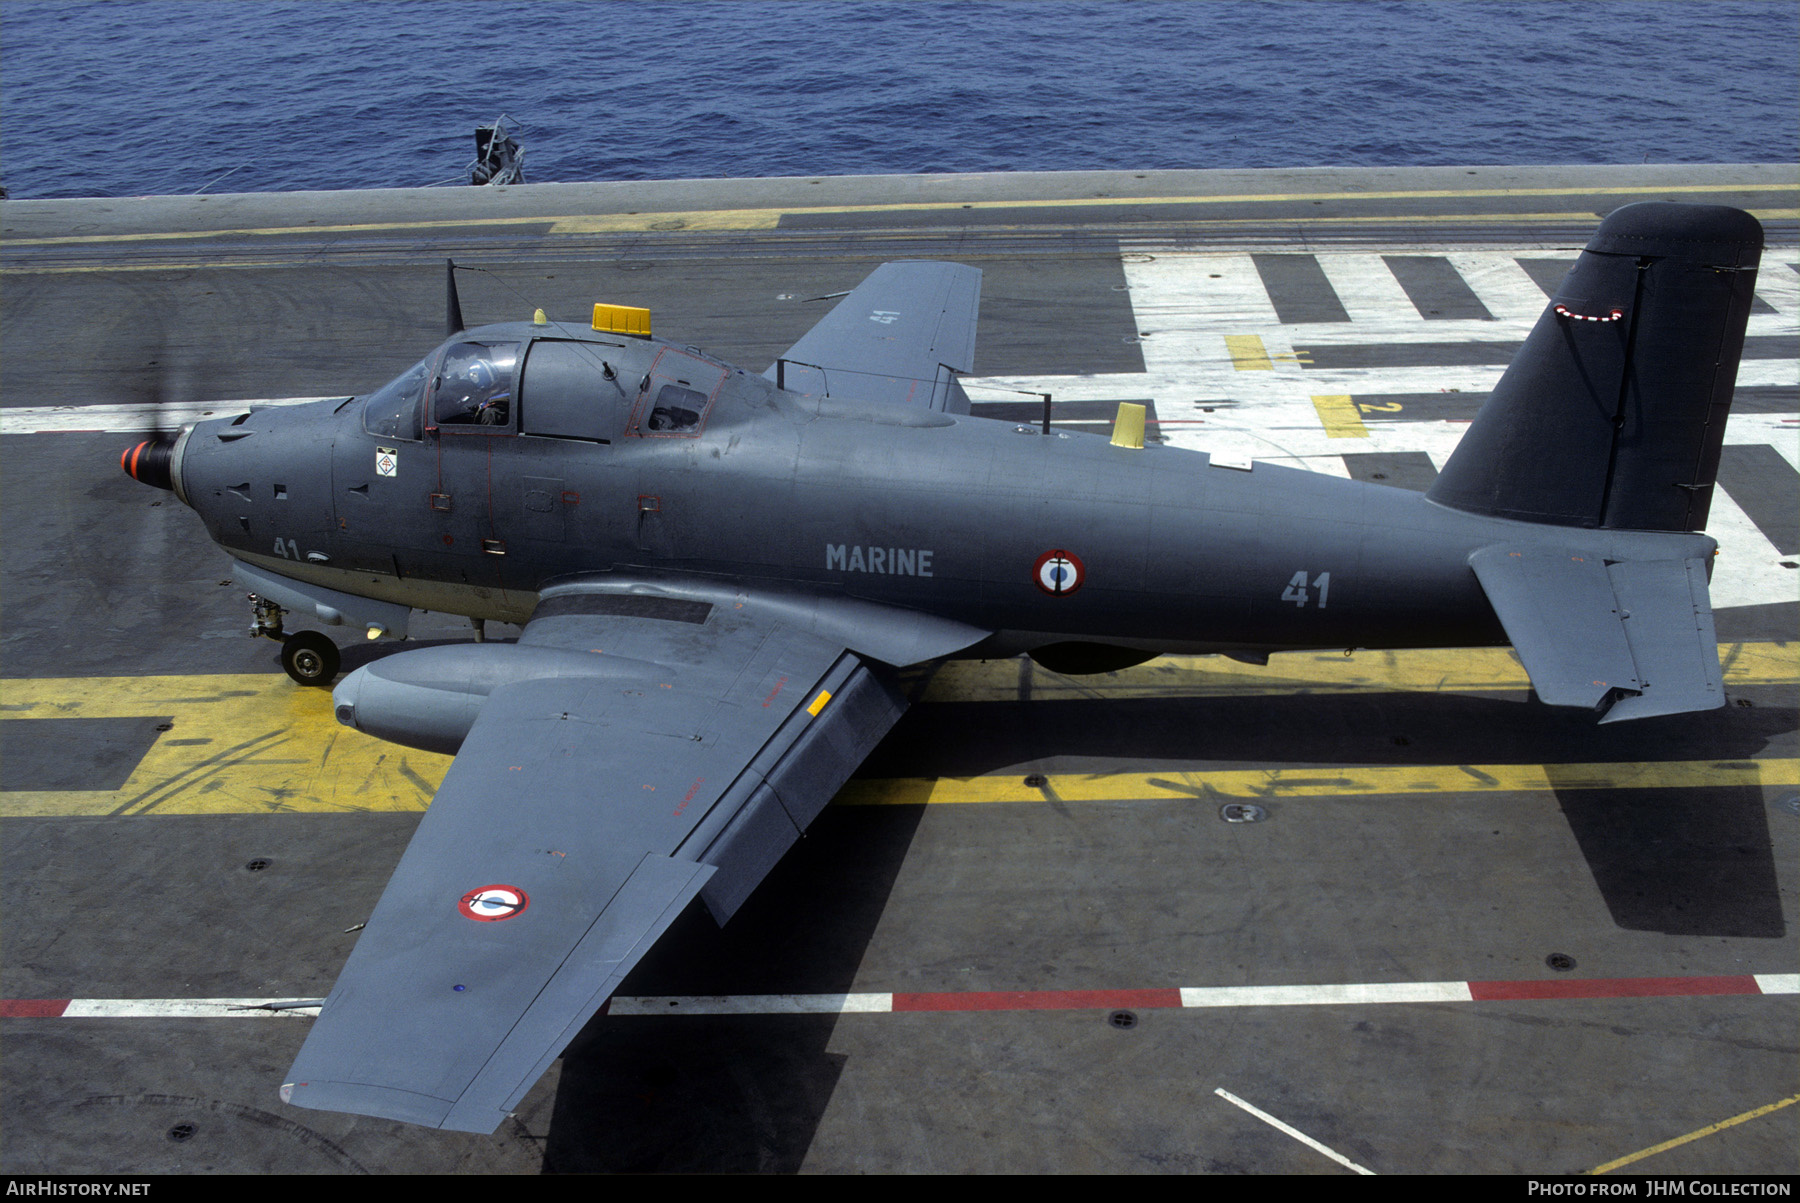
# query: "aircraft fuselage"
{"points": [[1040, 538]]}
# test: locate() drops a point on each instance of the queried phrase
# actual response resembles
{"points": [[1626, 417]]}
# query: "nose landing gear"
{"points": [[306, 656]]}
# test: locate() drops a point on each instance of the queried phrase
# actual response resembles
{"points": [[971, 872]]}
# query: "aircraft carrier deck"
{"points": [[1468, 934]]}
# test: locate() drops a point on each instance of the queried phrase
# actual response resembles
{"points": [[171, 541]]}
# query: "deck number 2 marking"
{"points": [[1296, 589]]}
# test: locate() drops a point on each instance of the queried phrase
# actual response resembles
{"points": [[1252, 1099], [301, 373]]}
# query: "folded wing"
{"points": [[901, 337]]}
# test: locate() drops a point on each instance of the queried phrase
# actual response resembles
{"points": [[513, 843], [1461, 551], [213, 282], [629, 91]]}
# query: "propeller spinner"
{"points": [[149, 461], [168, 382]]}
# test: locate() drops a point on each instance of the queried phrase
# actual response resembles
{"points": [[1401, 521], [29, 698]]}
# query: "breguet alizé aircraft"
{"points": [[719, 572]]}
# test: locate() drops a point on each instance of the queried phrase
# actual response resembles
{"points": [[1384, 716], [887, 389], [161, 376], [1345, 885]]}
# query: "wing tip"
{"points": [[387, 1102]]}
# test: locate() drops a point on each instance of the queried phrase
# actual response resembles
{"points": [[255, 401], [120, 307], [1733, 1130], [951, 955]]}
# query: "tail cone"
{"points": [[149, 461]]}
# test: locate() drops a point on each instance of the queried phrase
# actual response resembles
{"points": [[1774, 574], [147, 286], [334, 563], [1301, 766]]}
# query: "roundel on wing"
{"points": [[491, 904], [1059, 572]]}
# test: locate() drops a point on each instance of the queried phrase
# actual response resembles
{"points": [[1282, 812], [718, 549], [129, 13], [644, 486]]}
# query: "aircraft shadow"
{"points": [[746, 1093], [1680, 860], [733, 1093]]}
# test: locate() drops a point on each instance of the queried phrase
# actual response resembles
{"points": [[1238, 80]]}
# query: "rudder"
{"points": [[1613, 412]]}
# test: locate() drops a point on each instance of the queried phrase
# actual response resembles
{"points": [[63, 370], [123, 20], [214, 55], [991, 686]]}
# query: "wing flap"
{"points": [[855, 708], [1628, 639]]}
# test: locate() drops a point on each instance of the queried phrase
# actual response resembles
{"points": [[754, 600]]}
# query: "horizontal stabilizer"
{"points": [[1629, 639]]}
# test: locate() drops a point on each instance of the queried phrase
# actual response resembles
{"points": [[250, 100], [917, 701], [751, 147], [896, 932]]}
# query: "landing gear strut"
{"points": [[306, 656], [266, 619]]}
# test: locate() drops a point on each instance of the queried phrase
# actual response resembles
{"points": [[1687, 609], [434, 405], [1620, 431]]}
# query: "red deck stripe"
{"points": [[1099, 1000], [1037, 1000], [1615, 987], [33, 1008]]}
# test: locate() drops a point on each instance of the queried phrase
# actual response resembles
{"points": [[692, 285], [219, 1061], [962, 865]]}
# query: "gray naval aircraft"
{"points": [[720, 572]]}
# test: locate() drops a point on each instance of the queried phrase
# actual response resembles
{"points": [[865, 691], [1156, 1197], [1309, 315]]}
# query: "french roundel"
{"points": [[491, 904], [1059, 572]]}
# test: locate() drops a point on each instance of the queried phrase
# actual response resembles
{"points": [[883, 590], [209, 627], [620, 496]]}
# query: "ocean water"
{"points": [[126, 98]]}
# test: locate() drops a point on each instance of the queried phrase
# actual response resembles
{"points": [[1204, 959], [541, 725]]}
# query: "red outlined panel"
{"points": [[678, 399]]}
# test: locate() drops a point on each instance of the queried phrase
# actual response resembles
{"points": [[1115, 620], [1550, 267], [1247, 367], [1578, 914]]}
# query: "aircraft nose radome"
{"points": [[148, 462]]}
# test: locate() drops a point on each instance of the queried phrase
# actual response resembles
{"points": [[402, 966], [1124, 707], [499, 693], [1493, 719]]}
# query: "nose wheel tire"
{"points": [[310, 658]]}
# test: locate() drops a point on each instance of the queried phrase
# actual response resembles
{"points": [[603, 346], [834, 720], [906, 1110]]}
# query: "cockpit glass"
{"points": [[475, 384], [393, 411], [677, 410]]}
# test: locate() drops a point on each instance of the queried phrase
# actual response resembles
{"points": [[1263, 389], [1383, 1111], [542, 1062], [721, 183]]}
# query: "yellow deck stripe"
{"points": [[747, 220], [259, 744], [752, 220], [1262, 785], [730, 220], [595, 223], [1248, 353], [268, 775], [1431, 670], [1339, 416], [1458, 670], [1691, 1136], [265, 746], [768, 218]]}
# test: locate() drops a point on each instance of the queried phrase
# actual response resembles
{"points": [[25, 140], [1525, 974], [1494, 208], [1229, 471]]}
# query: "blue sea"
{"points": [[126, 98]]}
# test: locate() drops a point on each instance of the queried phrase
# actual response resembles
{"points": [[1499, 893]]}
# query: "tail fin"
{"points": [[1612, 413]]}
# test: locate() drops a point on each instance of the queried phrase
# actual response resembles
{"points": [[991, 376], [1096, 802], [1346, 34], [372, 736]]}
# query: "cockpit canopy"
{"points": [[569, 388], [473, 385], [393, 410]]}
